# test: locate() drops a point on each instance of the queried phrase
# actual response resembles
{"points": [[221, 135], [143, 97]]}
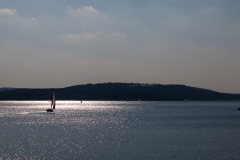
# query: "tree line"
{"points": [[119, 92]]}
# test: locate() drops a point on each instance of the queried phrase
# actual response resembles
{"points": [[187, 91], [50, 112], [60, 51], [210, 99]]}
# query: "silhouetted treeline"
{"points": [[119, 91], [6, 88]]}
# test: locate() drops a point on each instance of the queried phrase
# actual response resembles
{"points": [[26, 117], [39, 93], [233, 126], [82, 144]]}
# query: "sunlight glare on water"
{"points": [[119, 130]]}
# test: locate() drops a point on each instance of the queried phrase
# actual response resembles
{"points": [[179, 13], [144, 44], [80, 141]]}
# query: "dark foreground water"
{"points": [[120, 130]]}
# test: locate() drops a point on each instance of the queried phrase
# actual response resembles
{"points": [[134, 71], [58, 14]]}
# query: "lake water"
{"points": [[105, 130]]}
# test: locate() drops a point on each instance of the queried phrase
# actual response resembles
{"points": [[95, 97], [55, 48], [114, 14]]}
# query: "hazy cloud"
{"points": [[7, 11], [193, 43], [82, 36], [90, 9], [84, 9], [91, 35]]}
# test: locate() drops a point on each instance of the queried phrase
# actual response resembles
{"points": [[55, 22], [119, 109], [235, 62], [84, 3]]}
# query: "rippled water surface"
{"points": [[119, 130]]}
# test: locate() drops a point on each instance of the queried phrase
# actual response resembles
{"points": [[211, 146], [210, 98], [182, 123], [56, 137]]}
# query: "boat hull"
{"points": [[49, 110]]}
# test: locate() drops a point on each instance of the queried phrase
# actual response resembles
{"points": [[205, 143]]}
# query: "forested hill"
{"points": [[6, 88], [119, 91]]}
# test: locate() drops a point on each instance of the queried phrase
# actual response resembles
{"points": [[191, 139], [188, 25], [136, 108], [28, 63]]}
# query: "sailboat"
{"points": [[53, 103]]}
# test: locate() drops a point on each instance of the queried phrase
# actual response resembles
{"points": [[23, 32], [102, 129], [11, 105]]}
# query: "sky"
{"points": [[60, 43]]}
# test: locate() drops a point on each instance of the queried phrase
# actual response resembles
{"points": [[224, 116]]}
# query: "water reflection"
{"points": [[119, 130]]}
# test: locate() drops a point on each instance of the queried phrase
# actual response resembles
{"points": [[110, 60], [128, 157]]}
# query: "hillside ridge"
{"points": [[119, 92]]}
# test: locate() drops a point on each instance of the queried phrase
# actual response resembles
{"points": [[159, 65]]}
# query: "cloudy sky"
{"points": [[60, 43]]}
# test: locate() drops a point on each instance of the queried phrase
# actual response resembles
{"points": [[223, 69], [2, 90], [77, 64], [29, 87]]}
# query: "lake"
{"points": [[107, 130]]}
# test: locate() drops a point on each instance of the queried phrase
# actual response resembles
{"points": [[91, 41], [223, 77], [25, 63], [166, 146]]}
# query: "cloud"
{"points": [[84, 10], [97, 43], [91, 35], [16, 20], [7, 11], [33, 20], [83, 36], [116, 35], [15, 27], [87, 18], [90, 9], [85, 24]]}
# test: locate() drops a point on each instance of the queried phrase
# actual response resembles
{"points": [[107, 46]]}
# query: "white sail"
{"points": [[53, 101]]}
